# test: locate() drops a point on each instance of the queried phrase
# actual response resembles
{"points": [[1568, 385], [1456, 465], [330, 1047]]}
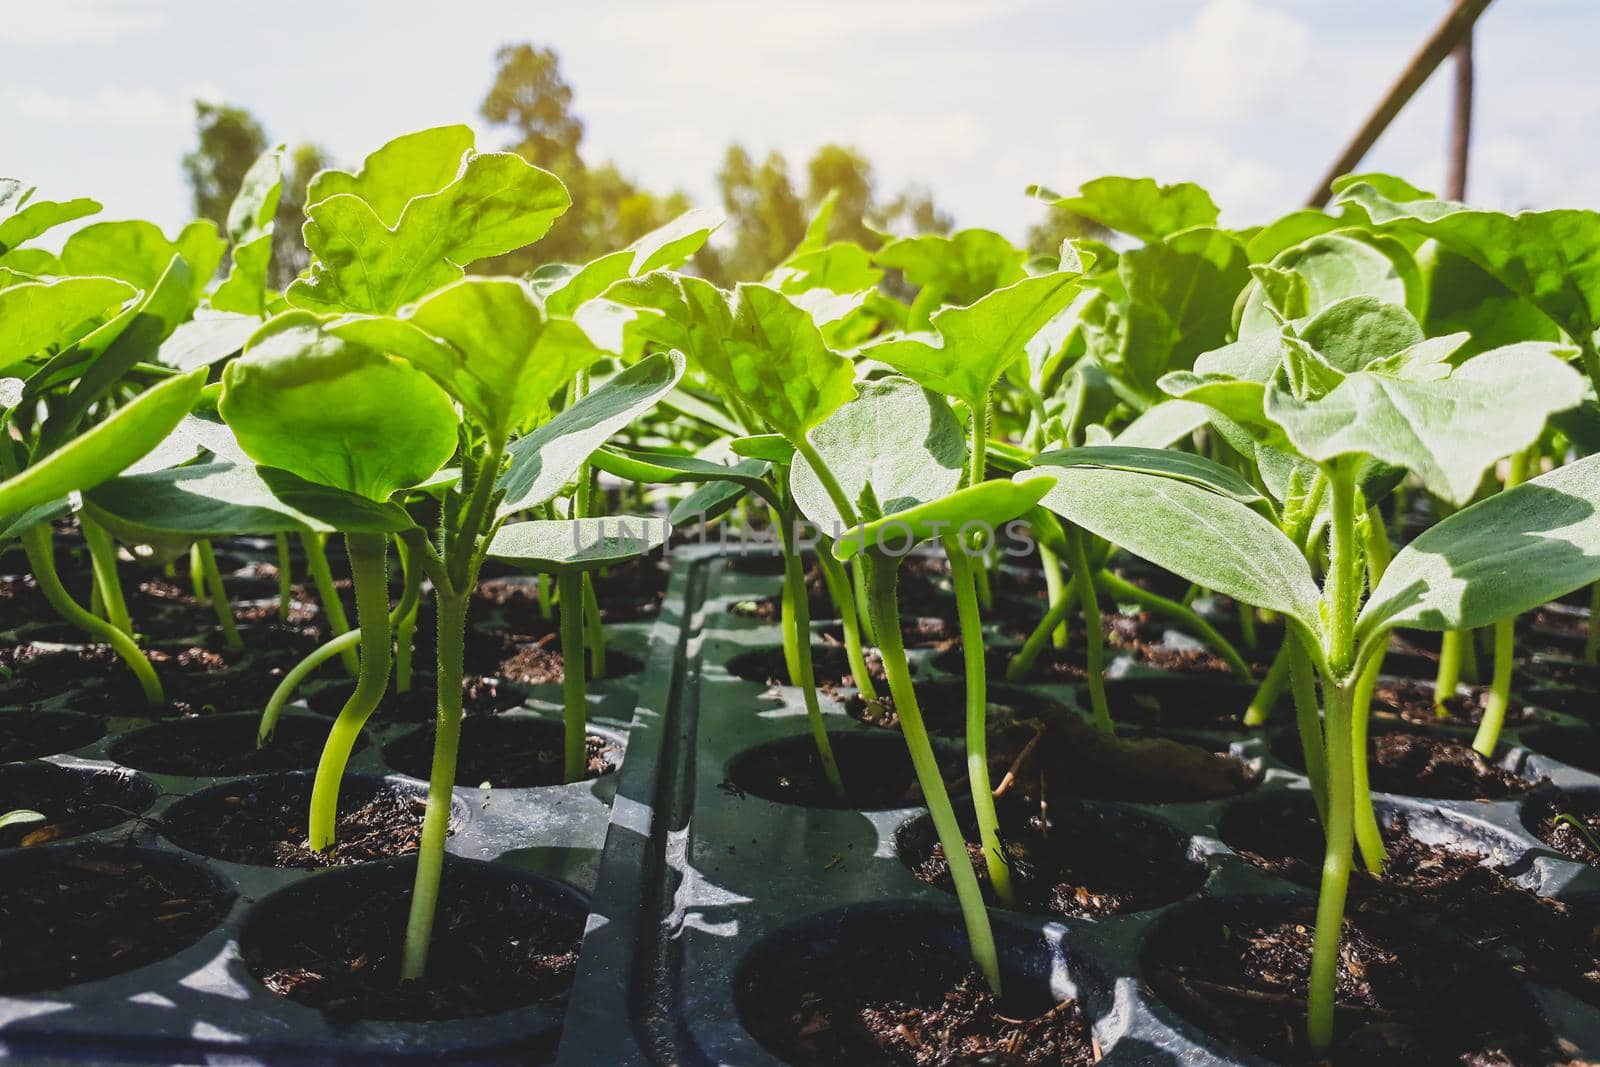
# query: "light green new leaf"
{"points": [[777, 365], [222, 499], [250, 228], [553, 546], [1139, 207], [1496, 559], [959, 268], [546, 459], [1465, 298], [1195, 533], [976, 343], [1335, 266], [21, 817], [988, 504], [1164, 425], [1549, 258], [772, 447], [675, 469], [35, 316], [207, 339], [335, 412], [1445, 431], [665, 246], [897, 437], [1185, 466], [499, 202], [411, 165], [106, 449], [23, 218], [139, 253]]}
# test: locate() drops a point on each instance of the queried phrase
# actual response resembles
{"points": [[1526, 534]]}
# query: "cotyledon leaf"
{"points": [[988, 504], [552, 546]]}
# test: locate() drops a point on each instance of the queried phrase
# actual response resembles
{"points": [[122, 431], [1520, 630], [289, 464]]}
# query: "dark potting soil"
{"points": [[27, 734], [497, 945], [1404, 1000], [506, 753], [1052, 666], [1544, 819], [194, 680], [1563, 670], [262, 822], [1578, 746], [518, 601], [73, 801], [223, 746], [904, 1001], [541, 663], [1579, 703], [1412, 699], [943, 706], [876, 770], [1178, 703], [1071, 867], [67, 916], [830, 667], [480, 695], [1416, 764], [1145, 636], [20, 601], [1073, 758]]}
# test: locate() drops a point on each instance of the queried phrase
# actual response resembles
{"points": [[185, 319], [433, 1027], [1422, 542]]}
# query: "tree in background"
{"points": [[1045, 237], [532, 101], [229, 141]]}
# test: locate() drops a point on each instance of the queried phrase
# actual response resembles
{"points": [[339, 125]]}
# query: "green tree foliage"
{"points": [[229, 139]]}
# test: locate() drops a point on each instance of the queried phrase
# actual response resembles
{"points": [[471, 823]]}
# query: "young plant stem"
{"points": [[1022, 663], [1336, 864], [39, 545], [843, 597], [883, 580], [369, 572], [574, 686], [452, 611], [1494, 709], [103, 559], [332, 606], [977, 719], [197, 575], [799, 617], [1308, 722], [1117, 588], [546, 589], [1094, 636], [594, 630], [404, 620], [1247, 626], [219, 596], [1369, 837], [1055, 589], [786, 616], [977, 472], [285, 577], [1451, 643], [1265, 701]]}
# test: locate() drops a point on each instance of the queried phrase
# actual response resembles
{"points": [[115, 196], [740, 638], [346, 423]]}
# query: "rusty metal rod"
{"points": [[1455, 184], [1456, 24]]}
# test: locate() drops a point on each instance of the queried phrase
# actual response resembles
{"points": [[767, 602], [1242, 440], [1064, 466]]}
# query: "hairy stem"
{"points": [[285, 577], [39, 546], [1451, 643], [574, 686], [1303, 685], [332, 606], [1265, 702], [1336, 865], [219, 595], [1494, 711], [1368, 835], [883, 580], [977, 719], [843, 597], [369, 573], [799, 617], [594, 630], [103, 559]]}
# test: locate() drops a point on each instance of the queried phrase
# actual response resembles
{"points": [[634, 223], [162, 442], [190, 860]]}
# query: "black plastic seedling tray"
{"points": [[701, 885], [202, 1005]]}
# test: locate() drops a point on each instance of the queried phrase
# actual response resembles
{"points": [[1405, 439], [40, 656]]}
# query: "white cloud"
{"points": [[109, 106], [56, 22], [1235, 54]]}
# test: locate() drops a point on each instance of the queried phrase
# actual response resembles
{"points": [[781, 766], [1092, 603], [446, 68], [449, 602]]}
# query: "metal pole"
{"points": [[1444, 39]]}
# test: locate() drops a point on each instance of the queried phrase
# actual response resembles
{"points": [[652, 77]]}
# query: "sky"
{"points": [[974, 99]]}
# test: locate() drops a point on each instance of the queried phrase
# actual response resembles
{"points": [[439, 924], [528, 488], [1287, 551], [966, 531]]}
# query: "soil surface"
{"points": [[262, 822], [1180, 704], [1549, 819], [1072, 758], [1403, 1000], [1421, 765], [497, 945], [943, 706], [876, 770], [905, 1001], [195, 680], [1412, 700], [830, 667], [1053, 665], [506, 753], [541, 663], [73, 802], [480, 695], [70, 915], [1073, 866], [223, 747], [30, 734]]}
